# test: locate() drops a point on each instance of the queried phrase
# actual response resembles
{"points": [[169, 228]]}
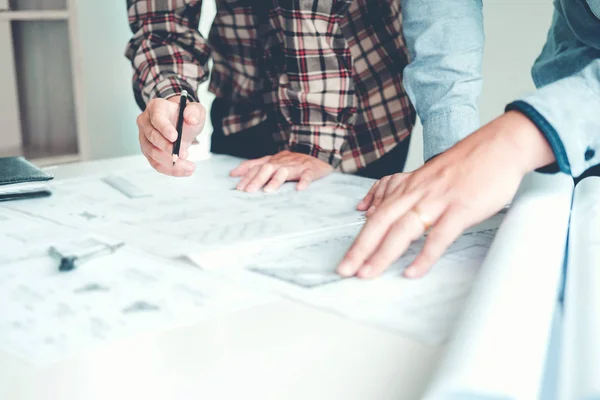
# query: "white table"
{"points": [[279, 350]]}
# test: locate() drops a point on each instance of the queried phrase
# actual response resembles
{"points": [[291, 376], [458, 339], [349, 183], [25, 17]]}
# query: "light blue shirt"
{"points": [[443, 80], [445, 40]]}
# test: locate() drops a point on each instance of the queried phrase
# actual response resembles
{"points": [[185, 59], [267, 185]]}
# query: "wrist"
{"points": [[526, 141]]}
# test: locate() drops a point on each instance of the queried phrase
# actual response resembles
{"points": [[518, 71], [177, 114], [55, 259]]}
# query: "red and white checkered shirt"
{"points": [[329, 72]]}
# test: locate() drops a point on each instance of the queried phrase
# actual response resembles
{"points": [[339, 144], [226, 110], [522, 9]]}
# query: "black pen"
{"points": [[177, 144]]}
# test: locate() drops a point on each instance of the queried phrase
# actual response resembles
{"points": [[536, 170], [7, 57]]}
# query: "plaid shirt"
{"points": [[329, 72]]}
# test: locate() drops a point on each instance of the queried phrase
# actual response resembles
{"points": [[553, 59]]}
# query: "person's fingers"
{"points": [[153, 152], [194, 114], [397, 183], [143, 122], [163, 163], [247, 165], [241, 186], [445, 232], [194, 118], [379, 195], [374, 230], [183, 167], [184, 153], [184, 149], [365, 203], [176, 171], [400, 235], [305, 179], [278, 179], [264, 174], [158, 112], [381, 189], [158, 140]]}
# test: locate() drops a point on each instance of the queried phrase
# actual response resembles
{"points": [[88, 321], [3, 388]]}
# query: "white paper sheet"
{"points": [[46, 314], [498, 350], [304, 269], [580, 359], [23, 236], [198, 213]]}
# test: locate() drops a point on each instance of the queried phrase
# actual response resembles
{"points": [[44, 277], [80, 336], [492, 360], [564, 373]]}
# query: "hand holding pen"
{"points": [[158, 133]]}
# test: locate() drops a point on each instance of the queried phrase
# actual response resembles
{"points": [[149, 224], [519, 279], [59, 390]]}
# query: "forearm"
{"points": [[443, 79], [167, 52], [526, 142], [565, 112]]}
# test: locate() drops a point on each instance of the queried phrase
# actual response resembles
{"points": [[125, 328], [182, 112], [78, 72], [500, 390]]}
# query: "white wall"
{"points": [[515, 32], [104, 76]]}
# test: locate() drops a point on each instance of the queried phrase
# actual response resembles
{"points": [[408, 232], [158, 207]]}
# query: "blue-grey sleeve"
{"points": [[443, 80], [566, 112]]}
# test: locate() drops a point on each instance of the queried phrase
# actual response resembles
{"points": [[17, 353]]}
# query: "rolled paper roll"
{"points": [[580, 358], [499, 347]]}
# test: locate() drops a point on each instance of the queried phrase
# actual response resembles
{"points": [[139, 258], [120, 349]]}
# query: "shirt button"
{"points": [[589, 154]]}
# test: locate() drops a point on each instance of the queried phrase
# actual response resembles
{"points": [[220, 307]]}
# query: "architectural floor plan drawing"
{"points": [[304, 269], [46, 314], [23, 236], [205, 208], [305, 265], [248, 246]]}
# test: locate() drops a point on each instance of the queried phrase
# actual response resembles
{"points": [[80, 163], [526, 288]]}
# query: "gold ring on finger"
{"points": [[422, 218]]}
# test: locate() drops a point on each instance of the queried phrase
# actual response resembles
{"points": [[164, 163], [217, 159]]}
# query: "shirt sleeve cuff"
{"points": [[442, 131], [171, 87], [562, 161]]}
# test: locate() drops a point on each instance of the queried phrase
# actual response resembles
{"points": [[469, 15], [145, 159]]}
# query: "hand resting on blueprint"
{"points": [[271, 172], [157, 133], [456, 190]]}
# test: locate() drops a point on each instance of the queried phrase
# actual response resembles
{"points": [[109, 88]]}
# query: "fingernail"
{"points": [[189, 167], [193, 120], [411, 272], [371, 210], [345, 269], [268, 190], [366, 270], [251, 188]]}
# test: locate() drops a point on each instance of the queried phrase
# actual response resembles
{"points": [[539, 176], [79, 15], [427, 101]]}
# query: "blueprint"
{"points": [[424, 309], [199, 212], [248, 247], [23, 236], [46, 314]]}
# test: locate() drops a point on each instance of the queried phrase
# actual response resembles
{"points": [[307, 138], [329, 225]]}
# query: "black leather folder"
{"points": [[20, 179]]}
